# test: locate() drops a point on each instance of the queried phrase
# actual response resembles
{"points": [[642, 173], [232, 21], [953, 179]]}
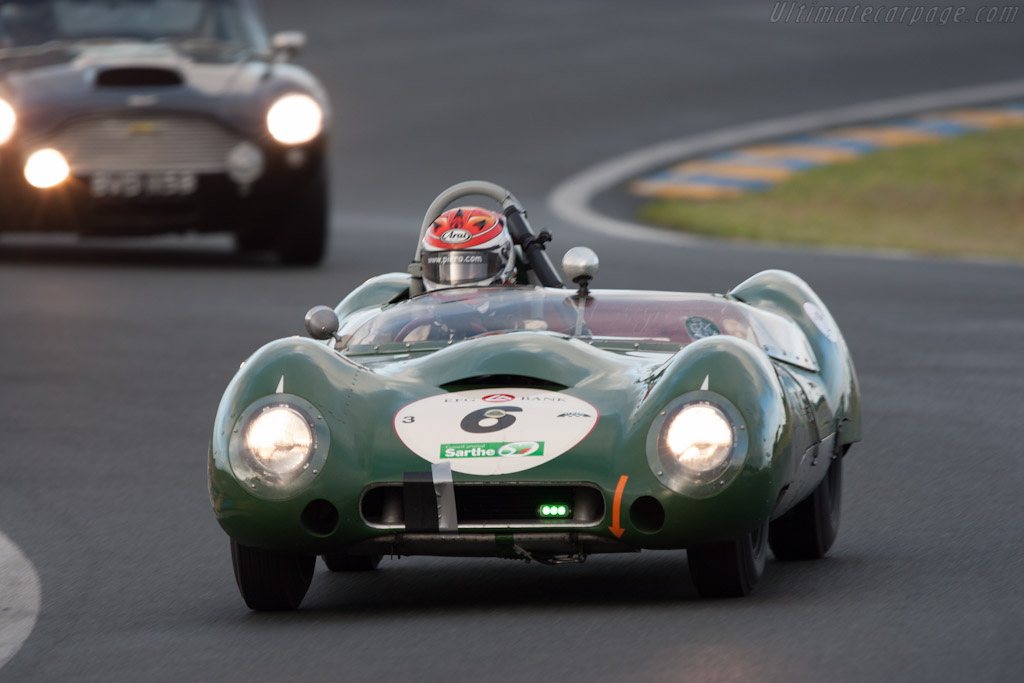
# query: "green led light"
{"points": [[554, 510]]}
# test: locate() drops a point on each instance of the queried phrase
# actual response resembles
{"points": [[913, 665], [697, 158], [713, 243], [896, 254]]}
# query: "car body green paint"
{"points": [[792, 415]]}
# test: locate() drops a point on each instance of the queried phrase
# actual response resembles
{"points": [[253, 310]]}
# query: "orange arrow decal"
{"points": [[617, 507]]}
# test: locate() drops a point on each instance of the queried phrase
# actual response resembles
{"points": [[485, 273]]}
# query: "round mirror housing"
{"points": [[321, 322], [580, 266], [288, 43]]}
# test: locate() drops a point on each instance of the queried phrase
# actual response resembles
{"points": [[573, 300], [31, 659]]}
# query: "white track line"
{"points": [[571, 199], [19, 598]]}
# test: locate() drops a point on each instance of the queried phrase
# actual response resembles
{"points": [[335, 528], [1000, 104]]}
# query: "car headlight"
{"points": [[280, 439], [697, 444], [278, 445], [7, 120], [294, 119], [700, 437], [46, 168]]}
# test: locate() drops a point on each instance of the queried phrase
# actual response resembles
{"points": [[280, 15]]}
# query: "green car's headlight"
{"points": [[278, 446], [7, 120], [700, 437], [697, 444], [280, 439], [294, 119]]}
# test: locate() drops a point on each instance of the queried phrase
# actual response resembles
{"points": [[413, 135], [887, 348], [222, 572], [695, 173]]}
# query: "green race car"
{"points": [[536, 422]]}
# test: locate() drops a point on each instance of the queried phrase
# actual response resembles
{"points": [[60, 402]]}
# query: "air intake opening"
{"points": [[647, 514], [497, 505], [137, 76], [320, 517], [502, 381]]}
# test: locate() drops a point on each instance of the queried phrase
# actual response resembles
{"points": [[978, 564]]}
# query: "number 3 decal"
{"points": [[488, 420]]}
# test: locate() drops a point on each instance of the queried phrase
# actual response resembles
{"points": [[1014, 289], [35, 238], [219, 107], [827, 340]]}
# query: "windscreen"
{"points": [[452, 315], [37, 22]]}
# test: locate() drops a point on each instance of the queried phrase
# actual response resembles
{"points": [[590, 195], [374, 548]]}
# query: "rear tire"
{"points": [[303, 241], [730, 569], [808, 530], [271, 581], [340, 562]]}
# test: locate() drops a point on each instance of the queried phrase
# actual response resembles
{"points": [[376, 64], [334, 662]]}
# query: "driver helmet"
{"points": [[467, 246]]}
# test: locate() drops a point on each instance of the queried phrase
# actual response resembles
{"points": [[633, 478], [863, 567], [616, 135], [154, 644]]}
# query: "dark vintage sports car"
{"points": [[534, 422], [129, 117]]}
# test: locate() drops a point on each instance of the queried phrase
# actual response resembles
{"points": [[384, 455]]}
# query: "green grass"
{"points": [[963, 196]]}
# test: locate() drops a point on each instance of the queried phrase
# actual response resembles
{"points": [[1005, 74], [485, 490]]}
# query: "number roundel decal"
{"points": [[494, 431]]}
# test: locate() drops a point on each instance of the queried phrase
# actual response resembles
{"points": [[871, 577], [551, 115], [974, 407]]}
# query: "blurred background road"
{"points": [[113, 357]]}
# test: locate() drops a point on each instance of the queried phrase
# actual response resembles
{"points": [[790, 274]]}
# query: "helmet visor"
{"points": [[461, 267]]}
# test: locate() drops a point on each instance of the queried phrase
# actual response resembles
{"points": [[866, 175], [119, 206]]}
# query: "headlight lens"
{"points": [[295, 119], [280, 439], [7, 119], [278, 445], [700, 437], [697, 445], [46, 168]]}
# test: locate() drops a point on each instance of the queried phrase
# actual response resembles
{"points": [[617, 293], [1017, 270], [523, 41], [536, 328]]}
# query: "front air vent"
{"points": [[137, 77], [486, 505], [501, 382]]}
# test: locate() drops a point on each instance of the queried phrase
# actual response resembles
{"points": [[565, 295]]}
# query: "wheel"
{"points": [[340, 562], [269, 580], [808, 530], [729, 569], [253, 241], [303, 241]]}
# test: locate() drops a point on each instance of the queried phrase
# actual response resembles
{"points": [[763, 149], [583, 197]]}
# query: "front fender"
{"points": [[730, 368]]}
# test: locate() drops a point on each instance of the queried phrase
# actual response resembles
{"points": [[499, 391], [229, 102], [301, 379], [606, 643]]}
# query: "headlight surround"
{"points": [[294, 119], [7, 121], [697, 444], [278, 446]]}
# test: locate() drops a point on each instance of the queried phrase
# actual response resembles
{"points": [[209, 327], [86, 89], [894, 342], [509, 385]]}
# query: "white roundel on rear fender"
{"points": [[494, 431]]}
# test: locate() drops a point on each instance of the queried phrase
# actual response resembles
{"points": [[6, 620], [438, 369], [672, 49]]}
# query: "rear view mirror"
{"points": [[288, 43]]}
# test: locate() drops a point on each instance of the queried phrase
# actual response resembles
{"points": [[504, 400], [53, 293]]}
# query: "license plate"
{"points": [[128, 185]]}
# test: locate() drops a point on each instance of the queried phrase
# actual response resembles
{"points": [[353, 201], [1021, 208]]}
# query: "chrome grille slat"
{"points": [[143, 143]]}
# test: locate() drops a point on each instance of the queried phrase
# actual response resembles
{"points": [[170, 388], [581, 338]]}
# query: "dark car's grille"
{"points": [[487, 505], [138, 142], [137, 77]]}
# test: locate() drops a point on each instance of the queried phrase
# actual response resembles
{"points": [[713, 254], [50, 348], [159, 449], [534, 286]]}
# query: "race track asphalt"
{"points": [[113, 357]]}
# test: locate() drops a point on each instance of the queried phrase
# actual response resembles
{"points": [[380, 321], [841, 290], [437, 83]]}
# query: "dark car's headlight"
{"points": [[294, 119], [278, 446], [697, 444], [7, 120]]}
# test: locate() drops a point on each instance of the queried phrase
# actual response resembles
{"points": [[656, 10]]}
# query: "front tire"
{"points": [[271, 581], [303, 241], [730, 569], [808, 530]]}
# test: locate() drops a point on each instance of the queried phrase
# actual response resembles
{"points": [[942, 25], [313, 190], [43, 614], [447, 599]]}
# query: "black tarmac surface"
{"points": [[113, 357]]}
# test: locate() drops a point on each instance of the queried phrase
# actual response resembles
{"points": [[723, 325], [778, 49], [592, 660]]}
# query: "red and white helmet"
{"points": [[467, 246]]}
